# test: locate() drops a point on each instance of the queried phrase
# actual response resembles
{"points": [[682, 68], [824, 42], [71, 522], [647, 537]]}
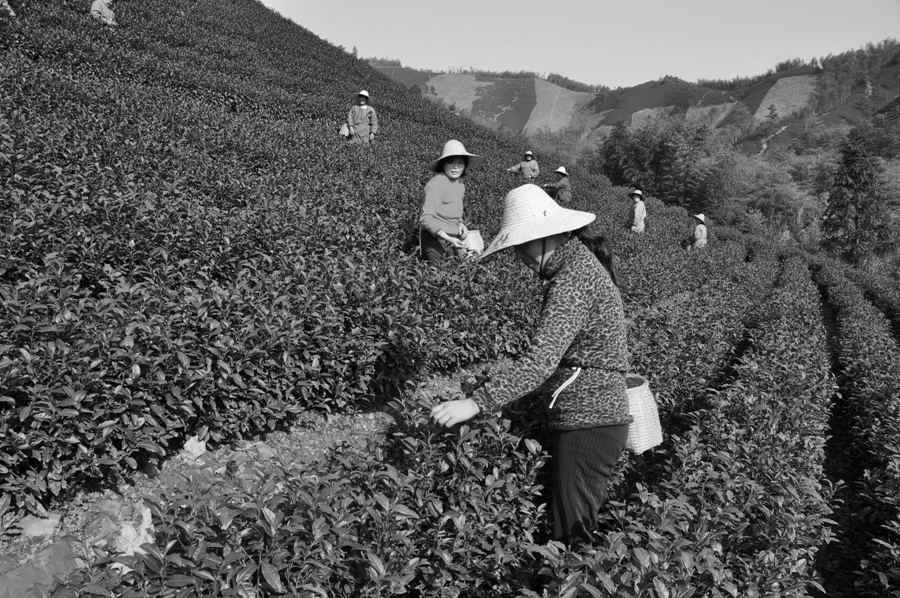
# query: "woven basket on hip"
{"points": [[645, 431]]}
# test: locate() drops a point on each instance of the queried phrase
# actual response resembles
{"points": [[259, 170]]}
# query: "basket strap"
{"points": [[564, 386]]}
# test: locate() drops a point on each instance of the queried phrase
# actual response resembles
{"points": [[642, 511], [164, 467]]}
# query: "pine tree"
{"points": [[856, 224], [613, 155]]}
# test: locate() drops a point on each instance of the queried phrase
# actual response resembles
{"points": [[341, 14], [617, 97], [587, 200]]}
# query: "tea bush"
{"points": [[179, 262], [736, 514], [428, 514], [870, 359], [190, 249]]}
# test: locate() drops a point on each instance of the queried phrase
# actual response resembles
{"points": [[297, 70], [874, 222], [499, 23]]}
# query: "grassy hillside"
{"points": [[190, 249], [556, 108]]}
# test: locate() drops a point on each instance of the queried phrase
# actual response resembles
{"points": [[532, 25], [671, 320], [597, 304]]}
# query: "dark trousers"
{"points": [[582, 462], [433, 249]]}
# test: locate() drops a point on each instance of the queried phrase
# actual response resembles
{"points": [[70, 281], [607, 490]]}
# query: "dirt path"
{"points": [[116, 519]]}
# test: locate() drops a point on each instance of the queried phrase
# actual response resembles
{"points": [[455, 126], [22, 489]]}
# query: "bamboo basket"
{"points": [[645, 431]]}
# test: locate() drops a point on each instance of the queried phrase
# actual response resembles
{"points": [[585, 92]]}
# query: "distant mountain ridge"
{"points": [[837, 91]]}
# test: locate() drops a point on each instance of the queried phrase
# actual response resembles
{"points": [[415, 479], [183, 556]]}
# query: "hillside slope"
{"points": [[834, 99], [190, 249]]}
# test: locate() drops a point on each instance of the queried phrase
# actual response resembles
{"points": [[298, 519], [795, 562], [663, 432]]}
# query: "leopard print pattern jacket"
{"points": [[582, 324]]}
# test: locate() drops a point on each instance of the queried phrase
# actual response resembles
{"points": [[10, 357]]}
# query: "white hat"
{"points": [[456, 148], [529, 214], [636, 192], [529, 153], [363, 93], [700, 217], [562, 170]]}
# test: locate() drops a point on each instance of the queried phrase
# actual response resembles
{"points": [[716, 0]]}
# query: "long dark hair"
{"points": [[599, 246]]}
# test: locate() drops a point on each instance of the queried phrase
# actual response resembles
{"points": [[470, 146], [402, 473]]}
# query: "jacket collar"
{"points": [[561, 255]]}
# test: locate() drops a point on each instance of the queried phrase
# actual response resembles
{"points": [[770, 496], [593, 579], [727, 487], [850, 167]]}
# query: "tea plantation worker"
{"points": [[638, 211], [103, 12], [699, 236], [5, 7], [362, 120], [441, 223], [580, 345], [528, 167], [561, 190]]}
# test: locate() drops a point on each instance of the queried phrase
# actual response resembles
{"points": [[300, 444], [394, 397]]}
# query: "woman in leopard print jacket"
{"points": [[580, 345]]}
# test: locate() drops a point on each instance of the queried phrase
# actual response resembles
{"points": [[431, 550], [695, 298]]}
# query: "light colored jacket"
{"points": [[528, 168], [101, 11], [638, 214], [699, 236], [443, 207], [363, 120]]}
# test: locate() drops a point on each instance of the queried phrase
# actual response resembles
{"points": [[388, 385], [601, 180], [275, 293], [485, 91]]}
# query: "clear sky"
{"points": [[606, 42]]}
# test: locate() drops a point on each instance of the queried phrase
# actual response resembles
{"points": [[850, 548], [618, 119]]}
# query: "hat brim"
{"points": [[474, 159], [565, 220]]}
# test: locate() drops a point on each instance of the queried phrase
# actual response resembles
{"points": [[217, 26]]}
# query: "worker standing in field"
{"points": [[103, 12], [362, 120], [561, 191], [638, 212], [698, 239], [528, 168], [580, 345]]}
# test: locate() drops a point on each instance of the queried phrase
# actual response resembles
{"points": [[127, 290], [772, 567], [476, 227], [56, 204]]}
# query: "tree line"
{"points": [[829, 190]]}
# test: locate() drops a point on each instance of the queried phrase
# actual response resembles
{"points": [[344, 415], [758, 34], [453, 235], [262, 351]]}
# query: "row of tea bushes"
{"points": [[870, 359], [742, 510]]}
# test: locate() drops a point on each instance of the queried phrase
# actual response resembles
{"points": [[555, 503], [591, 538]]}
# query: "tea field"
{"points": [[189, 249]]}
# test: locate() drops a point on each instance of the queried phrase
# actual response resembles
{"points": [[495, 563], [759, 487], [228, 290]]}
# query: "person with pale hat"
{"points": [[698, 239], [102, 11], [580, 346], [441, 225], [638, 211], [528, 167], [362, 120], [561, 190]]}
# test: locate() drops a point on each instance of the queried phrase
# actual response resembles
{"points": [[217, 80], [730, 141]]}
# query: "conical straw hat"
{"points": [[700, 217], [562, 170], [456, 148], [529, 214]]}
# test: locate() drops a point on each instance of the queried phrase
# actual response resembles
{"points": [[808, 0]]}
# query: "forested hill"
{"points": [[836, 92]]}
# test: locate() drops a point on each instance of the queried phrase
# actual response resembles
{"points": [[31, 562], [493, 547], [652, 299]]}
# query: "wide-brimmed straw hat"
{"points": [[562, 170], [636, 192], [700, 217], [363, 93], [456, 148], [529, 214]]}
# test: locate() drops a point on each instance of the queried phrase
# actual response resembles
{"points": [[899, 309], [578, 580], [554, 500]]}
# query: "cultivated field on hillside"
{"points": [[556, 107], [788, 95], [190, 249]]}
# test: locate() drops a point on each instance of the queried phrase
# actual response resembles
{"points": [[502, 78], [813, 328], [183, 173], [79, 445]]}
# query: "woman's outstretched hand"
{"points": [[450, 413]]}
